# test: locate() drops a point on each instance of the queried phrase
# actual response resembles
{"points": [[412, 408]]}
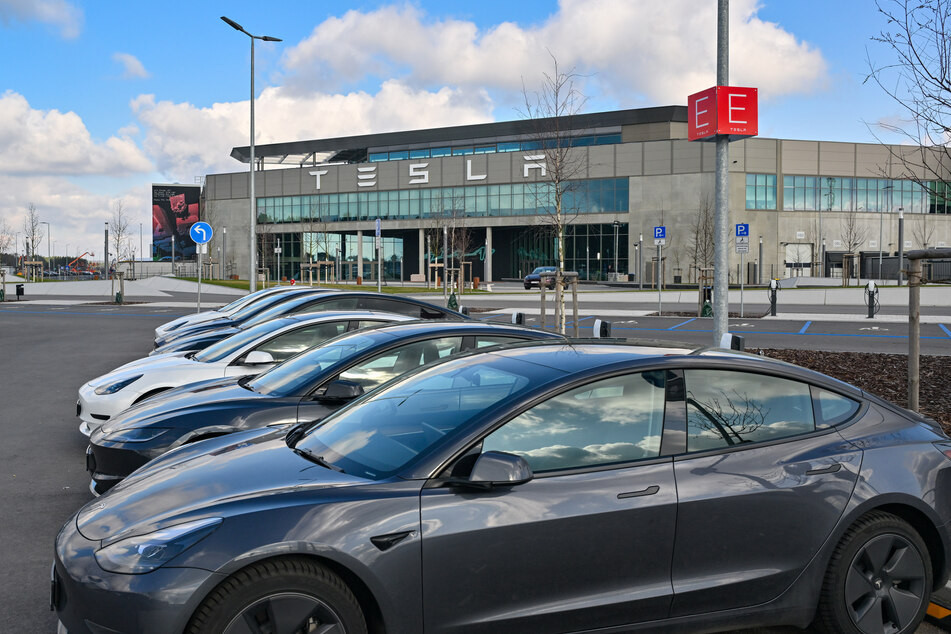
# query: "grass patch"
{"points": [[392, 289]]}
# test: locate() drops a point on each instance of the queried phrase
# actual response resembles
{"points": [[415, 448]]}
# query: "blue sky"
{"points": [[100, 99]]}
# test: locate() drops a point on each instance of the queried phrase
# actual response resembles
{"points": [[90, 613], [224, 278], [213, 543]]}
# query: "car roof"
{"points": [[451, 327]]}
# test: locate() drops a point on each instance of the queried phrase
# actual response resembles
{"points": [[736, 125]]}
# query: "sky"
{"points": [[101, 98]]}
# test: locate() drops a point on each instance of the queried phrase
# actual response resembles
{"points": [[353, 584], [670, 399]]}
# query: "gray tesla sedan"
{"points": [[544, 487]]}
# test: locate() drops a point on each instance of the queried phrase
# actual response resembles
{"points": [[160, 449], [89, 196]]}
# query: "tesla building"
{"points": [[489, 191]]}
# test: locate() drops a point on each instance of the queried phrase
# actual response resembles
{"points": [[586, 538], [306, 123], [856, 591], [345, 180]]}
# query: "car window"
{"points": [[401, 360], [285, 346], [607, 422], [726, 408], [391, 305], [366, 323], [339, 303], [484, 341], [831, 408]]}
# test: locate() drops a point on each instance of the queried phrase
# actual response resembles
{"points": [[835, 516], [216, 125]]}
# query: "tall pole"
{"points": [[616, 226], [881, 220], [224, 252], [640, 261], [759, 266], [105, 253], [252, 279], [141, 250], [901, 242], [721, 278], [445, 267], [49, 252]]}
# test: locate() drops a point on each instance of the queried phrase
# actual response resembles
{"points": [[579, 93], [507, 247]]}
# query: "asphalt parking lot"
{"points": [[48, 352]]}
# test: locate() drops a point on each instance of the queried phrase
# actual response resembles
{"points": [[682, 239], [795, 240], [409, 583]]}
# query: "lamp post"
{"points": [[640, 267], [881, 217], [49, 251], [616, 227], [901, 241], [252, 286]]}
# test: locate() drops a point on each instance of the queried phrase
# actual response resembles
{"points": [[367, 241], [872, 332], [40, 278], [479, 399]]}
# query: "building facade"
{"points": [[489, 193]]}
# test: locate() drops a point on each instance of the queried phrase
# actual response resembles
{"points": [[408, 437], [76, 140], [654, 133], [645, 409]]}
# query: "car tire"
{"points": [[528, 287], [879, 579], [278, 587]]}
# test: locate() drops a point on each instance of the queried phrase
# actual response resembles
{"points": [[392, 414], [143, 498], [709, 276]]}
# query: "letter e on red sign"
{"points": [[738, 111], [702, 114]]}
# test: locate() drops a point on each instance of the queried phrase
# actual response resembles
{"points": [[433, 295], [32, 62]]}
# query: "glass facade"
{"points": [[609, 195], [490, 148], [837, 193], [589, 250]]}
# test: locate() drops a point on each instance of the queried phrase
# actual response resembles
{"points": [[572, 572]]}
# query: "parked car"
{"points": [[224, 311], [327, 300], [306, 387], [247, 352], [534, 278], [535, 488]]}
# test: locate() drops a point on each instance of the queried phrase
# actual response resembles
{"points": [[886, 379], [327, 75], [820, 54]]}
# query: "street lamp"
{"points": [[881, 217], [49, 252], [252, 286], [617, 225]]}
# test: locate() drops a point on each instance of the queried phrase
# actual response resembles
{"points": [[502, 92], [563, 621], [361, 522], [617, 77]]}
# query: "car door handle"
{"points": [[651, 490], [832, 468]]}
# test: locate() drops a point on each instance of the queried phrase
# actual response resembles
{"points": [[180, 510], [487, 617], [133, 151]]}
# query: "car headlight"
{"points": [[145, 553], [135, 434], [112, 388]]}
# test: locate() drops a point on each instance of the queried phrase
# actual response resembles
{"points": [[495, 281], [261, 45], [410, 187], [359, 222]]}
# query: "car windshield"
{"points": [[221, 349], [294, 375], [380, 435], [261, 305], [278, 310], [543, 269]]}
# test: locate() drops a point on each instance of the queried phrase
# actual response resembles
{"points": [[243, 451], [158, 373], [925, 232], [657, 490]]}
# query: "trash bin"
{"points": [[475, 283], [19, 291]]}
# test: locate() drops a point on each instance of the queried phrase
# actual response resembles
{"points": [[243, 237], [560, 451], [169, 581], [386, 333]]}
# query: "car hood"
{"points": [[188, 320], [217, 394], [204, 484], [192, 329], [147, 361], [195, 340], [174, 364]]}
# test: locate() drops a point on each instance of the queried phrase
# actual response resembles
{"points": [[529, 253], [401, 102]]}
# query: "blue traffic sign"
{"points": [[742, 230], [660, 232], [201, 232], [378, 227]]}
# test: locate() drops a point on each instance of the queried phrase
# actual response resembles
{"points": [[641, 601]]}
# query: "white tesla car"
{"points": [[248, 352]]}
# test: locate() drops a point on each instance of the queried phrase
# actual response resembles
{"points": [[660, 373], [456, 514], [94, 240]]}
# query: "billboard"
{"points": [[174, 211], [730, 111]]}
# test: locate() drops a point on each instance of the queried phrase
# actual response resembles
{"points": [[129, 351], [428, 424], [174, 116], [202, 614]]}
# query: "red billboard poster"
{"points": [[174, 211], [732, 111]]}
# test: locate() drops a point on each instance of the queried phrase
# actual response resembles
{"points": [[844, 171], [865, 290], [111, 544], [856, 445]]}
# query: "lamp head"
{"points": [[233, 24]]}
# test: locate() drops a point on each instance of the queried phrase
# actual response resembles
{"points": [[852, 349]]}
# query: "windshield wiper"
{"points": [[318, 459]]}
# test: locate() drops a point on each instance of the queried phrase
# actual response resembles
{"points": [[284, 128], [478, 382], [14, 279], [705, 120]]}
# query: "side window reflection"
{"points": [[730, 408], [610, 421]]}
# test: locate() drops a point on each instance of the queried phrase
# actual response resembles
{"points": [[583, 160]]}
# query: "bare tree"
{"points": [[916, 35], [922, 230], [854, 234], [551, 109], [702, 236], [32, 230], [6, 236], [119, 232]]}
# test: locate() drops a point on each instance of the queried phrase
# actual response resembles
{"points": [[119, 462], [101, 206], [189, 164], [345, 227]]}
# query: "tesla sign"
{"points": [[722, 111]]}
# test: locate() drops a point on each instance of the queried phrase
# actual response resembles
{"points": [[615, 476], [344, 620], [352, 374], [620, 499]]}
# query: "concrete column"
{"points": [[359, 253], [422, 253], [488, 254]]}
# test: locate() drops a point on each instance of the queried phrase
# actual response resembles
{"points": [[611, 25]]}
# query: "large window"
{"points": [[761, 191], [607, 195], [608, 422], [843, 193]]}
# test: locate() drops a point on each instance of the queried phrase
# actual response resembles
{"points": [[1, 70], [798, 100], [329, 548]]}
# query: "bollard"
{"points": [[602, 329], [871, 299], [733, 342], [518, 319], [464, 310], [773, 291]]}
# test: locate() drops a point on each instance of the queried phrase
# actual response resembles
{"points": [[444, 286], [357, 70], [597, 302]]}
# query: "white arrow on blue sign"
{"points": [[742, 230], [201, 232]]}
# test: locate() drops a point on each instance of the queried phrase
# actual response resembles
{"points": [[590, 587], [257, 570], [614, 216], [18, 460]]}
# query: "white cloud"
{"points": [[653, 53], [187, 141], [132, 68], [65, 15], [53, 142]]}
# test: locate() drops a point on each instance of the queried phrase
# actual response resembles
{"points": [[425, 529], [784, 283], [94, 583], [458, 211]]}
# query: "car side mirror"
{"points": [[495, 469], [258, 357], [341, 390]]}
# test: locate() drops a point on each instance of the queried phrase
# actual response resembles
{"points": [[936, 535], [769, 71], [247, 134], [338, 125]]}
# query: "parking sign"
{"points": [[660, 235], [742, 230]]}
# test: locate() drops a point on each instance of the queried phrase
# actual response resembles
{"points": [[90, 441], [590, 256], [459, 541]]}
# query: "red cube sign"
{"points": [[722, 110]]}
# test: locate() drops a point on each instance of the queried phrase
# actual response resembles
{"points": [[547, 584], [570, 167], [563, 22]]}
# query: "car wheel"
{"points": [[878, 580], [282, 596], [528, 287]]}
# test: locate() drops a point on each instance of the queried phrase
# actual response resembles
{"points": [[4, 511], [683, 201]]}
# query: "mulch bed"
{"points": [[885, 375]]}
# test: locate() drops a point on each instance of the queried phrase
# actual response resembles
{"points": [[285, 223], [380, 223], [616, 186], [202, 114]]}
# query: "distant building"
{"points": [[320, 200]]}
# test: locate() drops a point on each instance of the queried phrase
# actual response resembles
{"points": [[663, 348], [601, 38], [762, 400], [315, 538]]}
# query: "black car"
{"points": [[535, 488], [317, 300], [534, 278], [306, 387]]}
